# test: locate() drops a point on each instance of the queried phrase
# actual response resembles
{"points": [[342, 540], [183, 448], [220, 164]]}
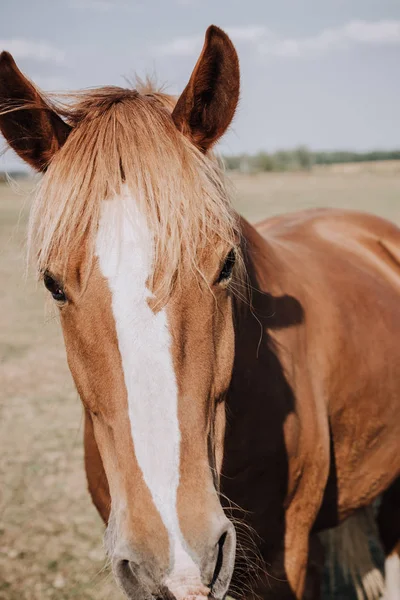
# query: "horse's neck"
{"points": [[258, 402]]}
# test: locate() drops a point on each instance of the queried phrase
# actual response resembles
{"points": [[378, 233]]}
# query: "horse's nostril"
{"points": [[127, 567], [125, 573], [224, 564], [124, 566], [220, 558]]}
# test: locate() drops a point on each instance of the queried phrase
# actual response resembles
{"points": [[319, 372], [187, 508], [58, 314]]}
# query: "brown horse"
{"points": [[241, 385]]}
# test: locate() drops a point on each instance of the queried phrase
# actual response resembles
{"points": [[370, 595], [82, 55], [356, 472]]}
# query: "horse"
{"points": [[240, 383]]}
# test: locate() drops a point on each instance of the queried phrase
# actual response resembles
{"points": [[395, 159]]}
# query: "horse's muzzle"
{"points": [[216, 572]]}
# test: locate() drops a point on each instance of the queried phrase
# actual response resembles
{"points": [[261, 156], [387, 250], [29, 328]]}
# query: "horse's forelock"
{"points": [[122, 139]]}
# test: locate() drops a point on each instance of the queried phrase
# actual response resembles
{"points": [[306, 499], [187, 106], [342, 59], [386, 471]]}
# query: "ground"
{"points": [[50, 534]]}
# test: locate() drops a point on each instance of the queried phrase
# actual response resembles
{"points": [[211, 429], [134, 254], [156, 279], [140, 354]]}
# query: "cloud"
{"points": [[95, 5], [187, 46], [380, 32], [181, 46], [386, 32], [250, 33], [51, 83], [36, 50], [269, 43], [104, 6]]}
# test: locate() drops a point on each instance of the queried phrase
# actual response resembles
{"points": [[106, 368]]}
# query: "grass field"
{"points": [[50, 535]]}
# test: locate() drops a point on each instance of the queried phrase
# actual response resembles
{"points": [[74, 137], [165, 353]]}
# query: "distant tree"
{"points": [[264, 162], [232, 162], [304, 158], [283, 160]]}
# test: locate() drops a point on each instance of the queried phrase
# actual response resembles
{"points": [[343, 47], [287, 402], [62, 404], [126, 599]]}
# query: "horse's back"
{"points": [[319, 252], [344, 270], [315, 226]]}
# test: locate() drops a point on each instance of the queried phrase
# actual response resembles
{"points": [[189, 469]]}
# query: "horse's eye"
{"points": [[54, 287], [226, 271]]}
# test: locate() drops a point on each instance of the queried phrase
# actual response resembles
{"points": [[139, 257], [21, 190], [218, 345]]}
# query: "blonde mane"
{"points": [[123, 139]]}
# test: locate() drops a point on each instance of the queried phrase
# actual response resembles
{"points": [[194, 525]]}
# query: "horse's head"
{"points": [[133, 233]]}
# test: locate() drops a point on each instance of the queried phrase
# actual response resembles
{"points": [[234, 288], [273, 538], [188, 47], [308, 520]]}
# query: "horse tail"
{"points": [[349, 553]]}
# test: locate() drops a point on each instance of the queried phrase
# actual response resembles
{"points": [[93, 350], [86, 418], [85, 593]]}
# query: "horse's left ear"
{"points": [[206, 107], [29, 124]]}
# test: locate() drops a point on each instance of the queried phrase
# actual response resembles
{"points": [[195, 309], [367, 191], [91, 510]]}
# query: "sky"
{"points": [[324, 73]]}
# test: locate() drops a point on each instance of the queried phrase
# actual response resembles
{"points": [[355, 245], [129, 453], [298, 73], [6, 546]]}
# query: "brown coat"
{"points": [[313, 410]]}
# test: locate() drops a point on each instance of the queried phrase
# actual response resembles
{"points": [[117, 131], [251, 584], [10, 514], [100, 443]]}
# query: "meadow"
{"points": [[50, 534]]}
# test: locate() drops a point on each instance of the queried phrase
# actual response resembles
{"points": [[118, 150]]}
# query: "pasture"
{"points": [[50, 534]]}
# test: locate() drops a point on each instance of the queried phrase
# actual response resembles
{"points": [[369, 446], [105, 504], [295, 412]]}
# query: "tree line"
{"points": [[298, 159], [302, 159], [5, 176]]}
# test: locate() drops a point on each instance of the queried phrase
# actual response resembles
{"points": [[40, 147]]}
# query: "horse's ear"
{"points": [[206, 107], [29, 124]]}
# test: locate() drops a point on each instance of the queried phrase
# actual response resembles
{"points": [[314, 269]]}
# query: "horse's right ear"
{"points": [[31, 127]]}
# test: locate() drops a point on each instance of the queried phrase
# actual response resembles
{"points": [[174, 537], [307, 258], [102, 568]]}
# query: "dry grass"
{"points": [[375, 190], [50, 535]]}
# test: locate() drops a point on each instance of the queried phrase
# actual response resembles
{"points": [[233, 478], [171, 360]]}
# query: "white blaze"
{"points": [[125, 249]]}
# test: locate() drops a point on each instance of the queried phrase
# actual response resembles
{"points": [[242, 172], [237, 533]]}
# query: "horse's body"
{"points": [[313, 410], [322, 384], [220, 366]]}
